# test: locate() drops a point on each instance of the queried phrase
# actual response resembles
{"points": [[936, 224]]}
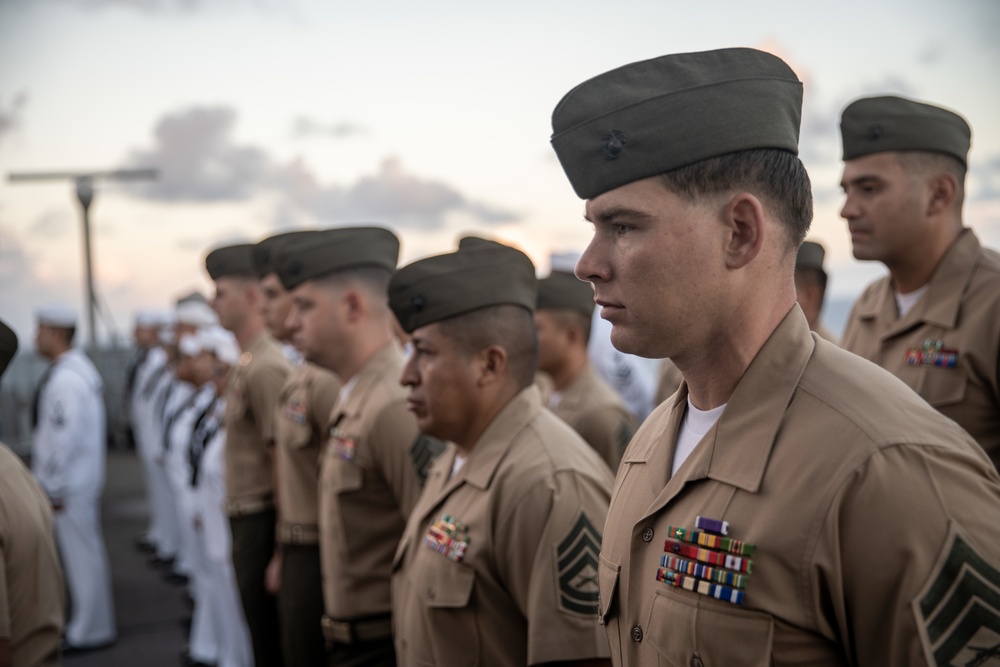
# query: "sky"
{"points": [[430, 118]]}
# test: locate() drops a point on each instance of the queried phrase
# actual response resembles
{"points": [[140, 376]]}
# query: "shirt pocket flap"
{"points": [[343, 476], [944, 386], [608, 574], [449, 586]]}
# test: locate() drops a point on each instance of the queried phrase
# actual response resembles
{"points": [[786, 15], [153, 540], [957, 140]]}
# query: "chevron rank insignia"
{"points": [[423, 451], [958, 611], [577, 566]]}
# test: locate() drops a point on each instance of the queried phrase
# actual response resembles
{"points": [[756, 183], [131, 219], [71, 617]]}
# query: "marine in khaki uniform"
{"points": [[304, 407], [810, 286], [579, 397], [793, 503], [934, 321], [374, 458], [31, 581], [252, 392], [499, 560]]}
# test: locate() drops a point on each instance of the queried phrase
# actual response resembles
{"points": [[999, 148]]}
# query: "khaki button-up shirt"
{"points": [[300, 431], [498, 564], [960, 314], [597, 413], [31, 583], [875, 521], [370, 479], [251, 397]]}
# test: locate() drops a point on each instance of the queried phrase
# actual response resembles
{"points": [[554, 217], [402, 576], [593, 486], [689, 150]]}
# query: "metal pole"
{"points": [[85, 194]]}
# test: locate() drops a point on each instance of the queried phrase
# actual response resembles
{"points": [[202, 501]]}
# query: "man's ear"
{"points": [[743, 216], [492, 365], [942, 190]]}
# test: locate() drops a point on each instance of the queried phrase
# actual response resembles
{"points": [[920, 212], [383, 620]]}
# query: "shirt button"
{"points": [[696, 662], [647, 535], [636, 634]]}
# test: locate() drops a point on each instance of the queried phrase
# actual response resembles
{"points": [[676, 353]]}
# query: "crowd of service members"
{"points": [[352, 463]]}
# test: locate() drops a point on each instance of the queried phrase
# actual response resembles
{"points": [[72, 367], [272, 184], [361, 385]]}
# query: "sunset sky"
{"points": [[430, 118]]}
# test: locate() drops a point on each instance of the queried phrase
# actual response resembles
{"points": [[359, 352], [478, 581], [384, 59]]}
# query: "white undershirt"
{"points": [[694, 427], [906, 302]]}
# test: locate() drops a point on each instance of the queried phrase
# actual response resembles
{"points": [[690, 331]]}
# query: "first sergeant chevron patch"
{"points": [[958, 611], [423, 451], [577, 566]]}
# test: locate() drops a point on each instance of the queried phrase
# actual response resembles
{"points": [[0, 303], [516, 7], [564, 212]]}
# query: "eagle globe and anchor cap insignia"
{"points": [[577, 567], [958, 611]]}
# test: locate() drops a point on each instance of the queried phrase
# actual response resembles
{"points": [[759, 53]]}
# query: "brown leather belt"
{"points": [[350, 632], [297, 533], [251, 505]]}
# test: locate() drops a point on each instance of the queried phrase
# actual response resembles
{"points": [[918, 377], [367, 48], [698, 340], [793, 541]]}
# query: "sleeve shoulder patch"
{"points": [[958, 610], [577, 568]]}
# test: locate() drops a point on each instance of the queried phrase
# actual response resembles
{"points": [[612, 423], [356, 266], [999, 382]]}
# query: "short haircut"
{"points": [[776, 176], [372, 280], [510, 327], [566, 317], [927, 164]]}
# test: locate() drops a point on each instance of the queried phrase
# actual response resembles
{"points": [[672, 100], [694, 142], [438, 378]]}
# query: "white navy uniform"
{"points": [[68, 461], [147, 375], [222, 595], [177, 396], [202, 644]]}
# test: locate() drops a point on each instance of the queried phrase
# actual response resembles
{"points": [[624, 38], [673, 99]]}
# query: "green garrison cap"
{"points": [[316, 254], [657, 115], [265, 251], [8, 345], [810, 257], [474, 242], [564, 291], [878, 124], [445, 286], [234, 260]]}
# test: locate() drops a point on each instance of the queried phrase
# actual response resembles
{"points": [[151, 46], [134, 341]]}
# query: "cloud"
{"points": [[51, 223], [200, 161], [10, 114], [305, 127]]}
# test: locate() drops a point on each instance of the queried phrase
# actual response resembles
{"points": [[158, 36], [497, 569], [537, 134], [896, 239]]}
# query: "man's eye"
{"points": [[622, 230]]}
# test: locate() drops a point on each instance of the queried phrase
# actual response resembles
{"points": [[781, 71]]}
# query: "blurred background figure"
{"points": [[68, 461], [810, 286]]}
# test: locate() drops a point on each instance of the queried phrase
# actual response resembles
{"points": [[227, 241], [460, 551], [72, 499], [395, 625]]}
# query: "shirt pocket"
{"points": [[944, 386], [686, 628], [446, 596], [608, 574]]}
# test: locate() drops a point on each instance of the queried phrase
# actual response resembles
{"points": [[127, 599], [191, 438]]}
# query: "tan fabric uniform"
{"points": [[304, 410], [367, 491], [597, 413], [524, 493], [251, 398], [31, 584], [300, 432], [823, 332], [850, 488], [962, 309], [251, 405]]}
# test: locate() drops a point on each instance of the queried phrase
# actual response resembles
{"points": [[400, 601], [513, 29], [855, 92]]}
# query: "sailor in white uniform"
{"points": [[68, 461], [220, 353]]}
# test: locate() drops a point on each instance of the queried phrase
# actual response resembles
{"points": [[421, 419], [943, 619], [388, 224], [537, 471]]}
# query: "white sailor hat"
{"points": [[196, 314], [59, 316]]}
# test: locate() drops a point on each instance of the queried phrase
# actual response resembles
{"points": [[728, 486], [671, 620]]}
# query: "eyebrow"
{"points": [[617, 213], [859, 179]]}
